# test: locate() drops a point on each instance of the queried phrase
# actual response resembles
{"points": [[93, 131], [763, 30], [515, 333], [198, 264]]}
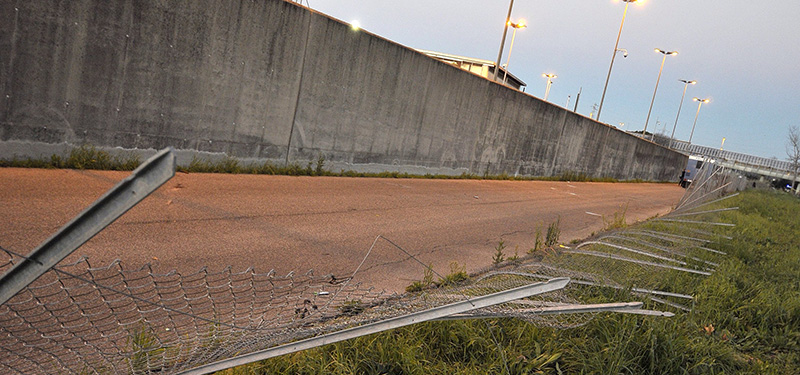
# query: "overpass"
{"points": [[766, 167]]}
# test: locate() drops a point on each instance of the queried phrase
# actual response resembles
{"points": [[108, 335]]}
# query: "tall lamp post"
{"points": [[685, 85], [519, 25], [503, 41], [699, 104], [665, 53], [549, 77], [614, 55]]}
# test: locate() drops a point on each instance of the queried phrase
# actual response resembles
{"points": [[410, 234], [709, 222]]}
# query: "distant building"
{"points": [[483, 68]]}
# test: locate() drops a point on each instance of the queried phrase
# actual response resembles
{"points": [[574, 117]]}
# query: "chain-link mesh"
{"points": [[657, 262], [113, 319]]}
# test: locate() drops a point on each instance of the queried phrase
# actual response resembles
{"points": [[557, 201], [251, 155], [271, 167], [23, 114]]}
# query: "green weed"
{"points": [[426, 282], [618, 220], [514, 258], [553, 233], [145, 349], [538, 240], [457, 275], [499, 257]]}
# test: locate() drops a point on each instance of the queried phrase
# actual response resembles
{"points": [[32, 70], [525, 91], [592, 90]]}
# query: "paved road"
{"points": [[321, 223]]}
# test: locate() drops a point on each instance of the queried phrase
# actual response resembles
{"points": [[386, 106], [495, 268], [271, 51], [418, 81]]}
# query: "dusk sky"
{"points": [[744, 55]]}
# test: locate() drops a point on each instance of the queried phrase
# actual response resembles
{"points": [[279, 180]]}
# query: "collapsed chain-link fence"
{"points": [[80, 318]]}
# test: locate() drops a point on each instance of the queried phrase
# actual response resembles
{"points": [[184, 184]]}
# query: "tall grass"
{"points": [[746, 320]]}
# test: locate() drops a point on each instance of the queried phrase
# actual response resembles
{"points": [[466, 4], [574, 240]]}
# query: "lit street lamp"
{"points": [[549, 83], [699, 104], [665, 53], [518, 25], [614, 55], [685, 85], [503, 41]]}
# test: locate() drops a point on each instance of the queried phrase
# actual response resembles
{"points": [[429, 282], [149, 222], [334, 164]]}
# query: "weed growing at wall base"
{"points": [[83, 157], [89, 157]]}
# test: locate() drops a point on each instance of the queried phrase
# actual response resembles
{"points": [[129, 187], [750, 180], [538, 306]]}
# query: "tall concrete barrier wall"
{"points": [[267, 79]]}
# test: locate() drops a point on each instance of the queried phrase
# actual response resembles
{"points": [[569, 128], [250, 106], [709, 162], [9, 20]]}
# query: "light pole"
{"points": [[665, 53], [549, 77], [699, 104], [685, 85], [518, 25], [613, 55], [503, 41]]}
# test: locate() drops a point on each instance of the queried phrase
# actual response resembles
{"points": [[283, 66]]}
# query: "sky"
{"points": [[744, 56]]}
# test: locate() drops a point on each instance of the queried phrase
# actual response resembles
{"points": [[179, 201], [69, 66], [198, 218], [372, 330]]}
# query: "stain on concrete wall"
{"points": [[267, 79]]}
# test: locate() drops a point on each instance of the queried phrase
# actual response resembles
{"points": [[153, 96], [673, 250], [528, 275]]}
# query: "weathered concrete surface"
{"points": [[268, 79], [325, 224]]}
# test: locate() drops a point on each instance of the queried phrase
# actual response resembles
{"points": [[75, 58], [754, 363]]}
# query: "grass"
{"points": [[553, 233], [498, 256], [538, 240], [746, 321], [457, 275], [617, 221], [89, 157], [426, 282], [145, 347], [83, 157]]}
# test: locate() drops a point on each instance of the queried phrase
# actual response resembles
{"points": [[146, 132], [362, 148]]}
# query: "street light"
{"points": [[549, 77], [685, 85], [665, 53], [518, 25], [699, 104], [503, 41], [613, 55]]}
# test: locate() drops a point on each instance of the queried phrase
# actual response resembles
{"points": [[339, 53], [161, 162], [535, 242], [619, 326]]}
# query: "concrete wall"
{"points": [[267, 79]]}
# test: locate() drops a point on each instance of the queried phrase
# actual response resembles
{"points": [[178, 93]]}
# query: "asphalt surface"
{"points": [[327, 224]]}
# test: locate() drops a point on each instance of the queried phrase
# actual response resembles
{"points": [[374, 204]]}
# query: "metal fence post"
{"points": [[127, 193]]}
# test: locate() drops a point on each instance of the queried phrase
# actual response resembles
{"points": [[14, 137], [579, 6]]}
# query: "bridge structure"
{"points": [[767, 167]]}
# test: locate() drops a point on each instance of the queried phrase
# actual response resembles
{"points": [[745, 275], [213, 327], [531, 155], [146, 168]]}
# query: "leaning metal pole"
{"points": [[661, 69], [672, 137], [127, 193], [613, 56], [502, 41], [385, 325]]}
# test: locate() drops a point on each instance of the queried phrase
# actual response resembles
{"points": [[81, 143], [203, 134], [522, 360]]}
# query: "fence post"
{"points": [[127, 193]]}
